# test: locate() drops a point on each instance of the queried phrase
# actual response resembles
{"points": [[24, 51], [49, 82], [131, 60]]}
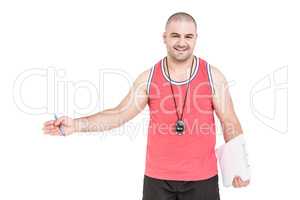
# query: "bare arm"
{"points": [[223, 106], [224, 109], [133, 103]]}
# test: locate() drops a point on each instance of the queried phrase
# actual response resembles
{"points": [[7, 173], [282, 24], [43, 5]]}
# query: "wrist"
{"points": [[81, 124]]}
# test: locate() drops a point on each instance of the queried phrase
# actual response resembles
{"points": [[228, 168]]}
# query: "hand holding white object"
{"points": [[233, 162]]}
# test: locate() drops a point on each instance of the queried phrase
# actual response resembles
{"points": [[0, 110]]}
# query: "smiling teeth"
{"points": [[180, 49]]}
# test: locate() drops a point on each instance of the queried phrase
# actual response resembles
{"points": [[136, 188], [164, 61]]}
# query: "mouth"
{"points": [[181, 50]]}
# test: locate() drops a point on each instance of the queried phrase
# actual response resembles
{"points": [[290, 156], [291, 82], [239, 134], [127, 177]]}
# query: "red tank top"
{"points": [[190, 156]]}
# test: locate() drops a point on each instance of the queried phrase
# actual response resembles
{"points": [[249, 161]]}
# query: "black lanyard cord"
{"points": [[189, 80]]}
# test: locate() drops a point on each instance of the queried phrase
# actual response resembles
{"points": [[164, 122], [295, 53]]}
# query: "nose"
{"points": [[181, 43]]}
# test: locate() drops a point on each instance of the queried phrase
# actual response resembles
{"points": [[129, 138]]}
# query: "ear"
{"points": [[164, 37]]}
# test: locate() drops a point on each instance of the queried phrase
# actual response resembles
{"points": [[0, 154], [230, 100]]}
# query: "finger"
{"points": [[244, 183], [56, 131], [53, 131], [240, 182], [237, 180], [49, 127], [49, 131], [234, 182], [49, 122]]}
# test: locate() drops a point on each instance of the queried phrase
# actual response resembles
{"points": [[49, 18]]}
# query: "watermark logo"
{"points": [[269, 100]]}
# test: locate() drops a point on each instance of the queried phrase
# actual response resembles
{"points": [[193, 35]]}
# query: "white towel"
{"points": [[233, 160]]}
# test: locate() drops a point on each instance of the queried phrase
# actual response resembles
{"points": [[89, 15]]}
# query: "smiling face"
{"points": [[180, 39]]}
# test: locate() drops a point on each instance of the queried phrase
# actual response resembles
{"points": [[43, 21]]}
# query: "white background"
{"points": [[250, 41]]}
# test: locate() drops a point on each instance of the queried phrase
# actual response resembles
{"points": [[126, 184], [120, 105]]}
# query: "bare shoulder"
{"points": [[217, 75], [141, 81], [143, 77]]}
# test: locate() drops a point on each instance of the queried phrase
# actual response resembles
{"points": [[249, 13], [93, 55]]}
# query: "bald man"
{"points": [[182, 92]]}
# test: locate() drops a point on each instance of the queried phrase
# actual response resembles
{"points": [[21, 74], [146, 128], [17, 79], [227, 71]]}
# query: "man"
{"points": [[182, 92]]}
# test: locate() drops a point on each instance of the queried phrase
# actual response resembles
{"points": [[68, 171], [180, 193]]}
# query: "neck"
{"points": [[179, 66]]}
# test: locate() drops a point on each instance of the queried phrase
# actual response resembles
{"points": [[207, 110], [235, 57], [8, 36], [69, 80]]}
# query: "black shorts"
{"points": [[158, 189]]}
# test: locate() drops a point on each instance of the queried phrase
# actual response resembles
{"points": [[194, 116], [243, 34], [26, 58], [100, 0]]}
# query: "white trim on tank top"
{"points": [[179, 82], [208, 69], [149, 80]]}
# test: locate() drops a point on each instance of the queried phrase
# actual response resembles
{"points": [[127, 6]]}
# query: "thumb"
{"points": [[59, 121]]}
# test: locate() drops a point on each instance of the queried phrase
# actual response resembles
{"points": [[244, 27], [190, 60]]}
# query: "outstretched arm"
{"points": [[133, 103]]}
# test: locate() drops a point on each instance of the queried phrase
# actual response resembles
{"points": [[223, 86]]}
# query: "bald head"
{"points": [[181, 16]]}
